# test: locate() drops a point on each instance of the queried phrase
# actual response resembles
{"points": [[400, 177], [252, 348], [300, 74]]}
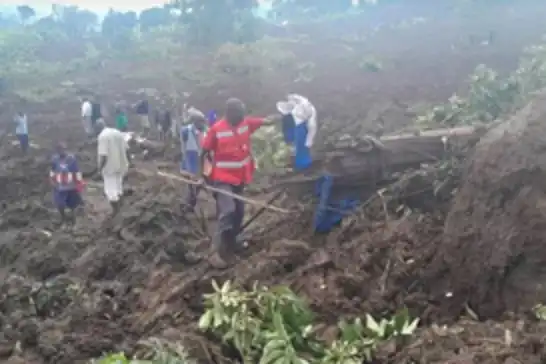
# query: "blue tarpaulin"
{"points": [[329, 212], [326, 219]]}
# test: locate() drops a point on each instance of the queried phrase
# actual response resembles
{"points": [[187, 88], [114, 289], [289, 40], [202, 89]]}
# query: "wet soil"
{"points": [[110, 283]]}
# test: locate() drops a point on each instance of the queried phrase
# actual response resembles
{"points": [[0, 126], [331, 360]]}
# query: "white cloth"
{"points": [[303, 111], [87, 109], [195, 113], [113, 145], [21, 124], [113, 186]]}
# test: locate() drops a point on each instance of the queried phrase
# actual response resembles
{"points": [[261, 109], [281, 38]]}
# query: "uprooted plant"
{"points": [[274, 325], [491, 95]]}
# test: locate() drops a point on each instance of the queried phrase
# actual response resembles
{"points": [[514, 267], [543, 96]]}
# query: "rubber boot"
{"points": [[223, 253], [62, 221], [71, 219]]}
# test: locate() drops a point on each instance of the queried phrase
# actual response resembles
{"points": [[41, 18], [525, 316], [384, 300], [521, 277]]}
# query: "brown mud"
{"points": [[110, 284]]}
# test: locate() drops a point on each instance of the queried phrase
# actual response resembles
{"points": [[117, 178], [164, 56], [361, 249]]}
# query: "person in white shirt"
{"points": [[113, 160], [87, 112], [299, 128], [21, 130]]}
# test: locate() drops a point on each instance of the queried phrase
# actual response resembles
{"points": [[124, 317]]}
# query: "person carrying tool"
{"points": [[299, 127], [67, 182], [191, 137], [21, 130], [227, 147], [113, 162]]}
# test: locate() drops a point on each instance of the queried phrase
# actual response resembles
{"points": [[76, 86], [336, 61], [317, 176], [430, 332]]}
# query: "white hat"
{"points": [[285, 107]]}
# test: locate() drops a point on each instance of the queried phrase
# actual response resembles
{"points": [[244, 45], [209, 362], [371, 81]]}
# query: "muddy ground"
{"points": [[67, 297]]}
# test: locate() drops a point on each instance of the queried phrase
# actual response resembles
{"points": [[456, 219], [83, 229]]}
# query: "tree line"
{"points": [[204, 21]]}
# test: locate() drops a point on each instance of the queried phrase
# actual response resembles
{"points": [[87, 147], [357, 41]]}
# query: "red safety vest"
{"points": [[232, 159]]}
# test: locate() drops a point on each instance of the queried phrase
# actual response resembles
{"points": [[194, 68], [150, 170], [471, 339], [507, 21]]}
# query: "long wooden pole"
{"points": [[190, 181]]}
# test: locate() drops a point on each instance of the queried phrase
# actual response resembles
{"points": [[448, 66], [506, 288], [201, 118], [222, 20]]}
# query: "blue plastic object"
{"points": [[297, 135], [325, 220], [212, 117]]}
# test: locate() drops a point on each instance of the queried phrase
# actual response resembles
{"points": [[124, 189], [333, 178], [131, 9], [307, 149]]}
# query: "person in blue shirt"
{"points": [[190, 139], [67, 182], [21, 131]]}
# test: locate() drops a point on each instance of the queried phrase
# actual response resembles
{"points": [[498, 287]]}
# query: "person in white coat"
{"points": [[299, 126], [113, 160]]}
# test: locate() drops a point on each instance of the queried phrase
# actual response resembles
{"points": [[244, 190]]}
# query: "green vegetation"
{"points": [[274, 325], [158, 352], [491, 95]]}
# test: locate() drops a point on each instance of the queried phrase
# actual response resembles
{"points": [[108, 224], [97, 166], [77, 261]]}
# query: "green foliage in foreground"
{"points": [[274, 326], [158, 353]]}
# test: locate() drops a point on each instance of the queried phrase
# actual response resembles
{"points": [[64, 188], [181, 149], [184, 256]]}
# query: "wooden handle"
{"points": [[189, 179]]}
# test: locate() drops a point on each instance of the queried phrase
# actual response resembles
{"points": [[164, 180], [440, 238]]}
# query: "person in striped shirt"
{"points": [[67, 182]]}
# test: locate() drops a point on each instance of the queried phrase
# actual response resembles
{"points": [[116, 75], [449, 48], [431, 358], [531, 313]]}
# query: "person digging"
{"points": [[227, 146]]}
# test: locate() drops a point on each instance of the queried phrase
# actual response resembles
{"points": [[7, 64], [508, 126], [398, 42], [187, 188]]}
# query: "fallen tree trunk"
{"points": [[369, 161]]}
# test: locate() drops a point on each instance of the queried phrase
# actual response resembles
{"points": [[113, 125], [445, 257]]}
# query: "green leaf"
{"points": [[372, 325], [300, 361], [206, 320], [226, 287], [271, 356], [410, 329], [218, 317], [215, 286], [350, 332], [274, 345], [401, 319], [278, 324]]}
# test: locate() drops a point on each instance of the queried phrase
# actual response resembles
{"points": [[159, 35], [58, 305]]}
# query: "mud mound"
{"points": [[494, 251]]}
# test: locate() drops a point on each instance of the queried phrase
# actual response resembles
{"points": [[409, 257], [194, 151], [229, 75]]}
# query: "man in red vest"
{"points": [[227, 146]]}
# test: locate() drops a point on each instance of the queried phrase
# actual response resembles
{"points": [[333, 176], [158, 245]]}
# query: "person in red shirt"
{"points": [[227, 150]]}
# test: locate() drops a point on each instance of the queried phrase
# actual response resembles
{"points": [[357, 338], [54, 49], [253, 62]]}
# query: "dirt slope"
{"points": [[66, 297], [494, 234]]}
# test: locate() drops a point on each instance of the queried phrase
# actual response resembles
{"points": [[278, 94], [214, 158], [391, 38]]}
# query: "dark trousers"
{"points": [[230, 213], [193, 192], [23, 142]]}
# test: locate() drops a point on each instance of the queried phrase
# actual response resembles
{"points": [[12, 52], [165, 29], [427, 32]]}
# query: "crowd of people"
{"points": [[215, 151]]}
